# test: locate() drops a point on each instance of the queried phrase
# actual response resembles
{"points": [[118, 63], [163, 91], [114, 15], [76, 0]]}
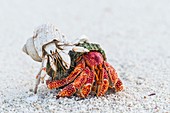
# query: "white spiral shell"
{"points": [[43, 35]]}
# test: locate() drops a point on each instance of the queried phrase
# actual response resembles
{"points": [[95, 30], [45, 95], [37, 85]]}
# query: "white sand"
{"points": [[135, 35]]}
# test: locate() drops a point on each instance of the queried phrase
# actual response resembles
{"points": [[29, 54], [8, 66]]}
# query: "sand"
{"points": [[134, 34]]}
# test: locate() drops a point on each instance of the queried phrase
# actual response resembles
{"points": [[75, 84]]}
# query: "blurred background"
{"points": [[134, 33]]}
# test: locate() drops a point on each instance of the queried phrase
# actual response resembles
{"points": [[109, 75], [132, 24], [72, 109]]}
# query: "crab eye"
{"points": [[51, 51]]}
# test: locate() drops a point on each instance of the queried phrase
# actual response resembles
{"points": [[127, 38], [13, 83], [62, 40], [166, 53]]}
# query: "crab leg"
{"points": [[103, 87], [59, 83], [119, 85], [77, 84], [43, 71], [41, 74], [116, 82], [37, 82], [87, 87]]}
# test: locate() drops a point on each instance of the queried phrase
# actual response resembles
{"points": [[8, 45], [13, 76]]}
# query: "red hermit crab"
{"points": [[91, 73], [82, 70]]}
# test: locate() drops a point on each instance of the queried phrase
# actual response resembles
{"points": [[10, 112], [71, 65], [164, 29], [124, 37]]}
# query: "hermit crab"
{"points": [[78, 67]]}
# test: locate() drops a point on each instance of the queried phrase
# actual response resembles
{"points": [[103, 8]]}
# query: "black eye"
{"points": [[50, 51]]}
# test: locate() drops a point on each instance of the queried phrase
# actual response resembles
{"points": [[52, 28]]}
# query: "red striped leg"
{"points": [[103, 87], [59, 83], [86, 89], [117, 83], [77, 84]]}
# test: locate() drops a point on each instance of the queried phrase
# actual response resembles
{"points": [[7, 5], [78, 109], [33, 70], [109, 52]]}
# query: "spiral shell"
{"points": [[43, 35]]}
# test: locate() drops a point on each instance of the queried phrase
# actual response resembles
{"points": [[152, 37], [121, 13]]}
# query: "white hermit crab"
{"points": [[49, 44]]}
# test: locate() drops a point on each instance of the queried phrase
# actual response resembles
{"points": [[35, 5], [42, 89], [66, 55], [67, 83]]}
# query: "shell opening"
{"points": [[30, 50]]}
